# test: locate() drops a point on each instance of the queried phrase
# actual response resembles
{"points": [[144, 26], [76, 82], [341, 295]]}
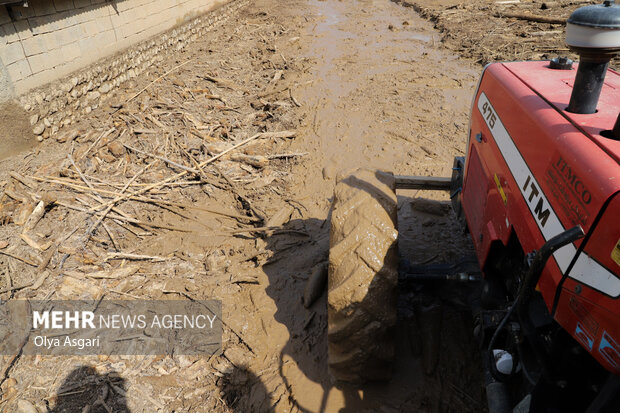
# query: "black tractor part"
{"points": [[593, 32]]}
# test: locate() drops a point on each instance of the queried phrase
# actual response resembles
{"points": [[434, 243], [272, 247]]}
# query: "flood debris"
{"points": [[502, 30], [201, 178], [429, 206], [123, 201], [316, 284], [24, 406], [429, 321]]}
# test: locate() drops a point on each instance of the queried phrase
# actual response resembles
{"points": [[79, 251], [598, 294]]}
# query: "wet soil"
{"points": [[374, 97], [487, 31], [365, 83], [15, 132]]}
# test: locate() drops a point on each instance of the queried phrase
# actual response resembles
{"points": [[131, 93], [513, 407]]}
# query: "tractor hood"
{"points": [[555, 86]]}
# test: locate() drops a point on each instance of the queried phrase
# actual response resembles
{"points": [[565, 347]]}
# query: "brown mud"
{"points": [[366, 83], [488, 31], [15, 131]]}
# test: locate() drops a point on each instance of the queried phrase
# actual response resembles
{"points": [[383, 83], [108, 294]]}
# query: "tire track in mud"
{"points": [[380, 93]]}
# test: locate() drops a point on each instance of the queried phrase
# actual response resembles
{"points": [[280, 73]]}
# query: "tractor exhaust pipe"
{"points": [[589, 81], [593, 32]]}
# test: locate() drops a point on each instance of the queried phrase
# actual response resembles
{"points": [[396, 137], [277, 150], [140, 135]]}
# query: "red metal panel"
{"points": [[555, 86], [475, 191], [575, 172], [584, 310]]}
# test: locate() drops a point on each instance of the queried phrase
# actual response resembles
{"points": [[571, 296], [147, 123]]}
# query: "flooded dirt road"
{"points": [[380, 87], [380, 93], [362, 83]]}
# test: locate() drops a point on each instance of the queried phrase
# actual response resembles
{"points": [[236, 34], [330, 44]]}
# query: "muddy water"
{"points": [[383, 94], [15, 131], [349, 55], [368, 56]]}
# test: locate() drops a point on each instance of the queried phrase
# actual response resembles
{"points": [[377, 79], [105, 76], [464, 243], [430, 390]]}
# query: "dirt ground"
{"points": [[16, 133], [321, 86], [488, 31]]}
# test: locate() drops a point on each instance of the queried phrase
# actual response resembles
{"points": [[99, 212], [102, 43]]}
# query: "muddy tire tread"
{"points": [[362, 277]]}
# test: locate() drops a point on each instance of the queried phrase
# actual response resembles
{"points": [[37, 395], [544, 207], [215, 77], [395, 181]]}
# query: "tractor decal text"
{"points": [[541, 212], [573, 180], [569, 190], [585, 269], [489, 115], [609, 349], [584, 315]]}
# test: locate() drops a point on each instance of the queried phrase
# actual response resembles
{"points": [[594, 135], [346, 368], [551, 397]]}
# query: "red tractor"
{"points": [[539, 192]]}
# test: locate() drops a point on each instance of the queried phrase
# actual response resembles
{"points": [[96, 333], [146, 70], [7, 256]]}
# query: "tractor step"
{"points": [[433, 183], [466, 269]]}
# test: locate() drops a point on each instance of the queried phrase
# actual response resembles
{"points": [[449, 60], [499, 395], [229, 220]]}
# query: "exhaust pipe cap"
{"points": [[595, 27]]}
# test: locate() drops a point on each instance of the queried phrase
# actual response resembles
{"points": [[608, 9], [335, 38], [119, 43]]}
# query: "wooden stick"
{"points": [[101, 218], [282, 134], [103, 135], [112, 238], [157, 80], [531, 17], [287, 155], [232, 148], [99, 182], [193, 160], [223, 82], [202, 164], [136, 257], [161, 158], [114, 209], [7, 274], [234, 188], [121, 218], [273, 92], [128, 228], [24, 260], [90, 232], [86, 181], [182, 214], [70, 182], [156, 122], [151, 200], [15, 288], [290, 93], [22, 179]]}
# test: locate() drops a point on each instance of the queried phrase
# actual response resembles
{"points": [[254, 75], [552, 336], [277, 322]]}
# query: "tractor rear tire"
{"points": [[362, 277]]}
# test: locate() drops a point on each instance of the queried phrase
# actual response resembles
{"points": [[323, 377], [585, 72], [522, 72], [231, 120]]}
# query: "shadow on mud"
{"points": [[436, 375], [305, 353], [86, 391], [244, 392]]}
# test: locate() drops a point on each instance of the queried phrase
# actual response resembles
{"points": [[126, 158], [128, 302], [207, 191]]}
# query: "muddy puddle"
{"points": [[370, 59], [380, 88], [15, 131]]}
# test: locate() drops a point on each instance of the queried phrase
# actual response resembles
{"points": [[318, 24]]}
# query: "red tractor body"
{"points": [[534, 170], [539, 192]]}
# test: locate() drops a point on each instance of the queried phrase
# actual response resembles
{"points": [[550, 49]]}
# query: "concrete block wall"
{"points": [[63, 101], [52, 38]]}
